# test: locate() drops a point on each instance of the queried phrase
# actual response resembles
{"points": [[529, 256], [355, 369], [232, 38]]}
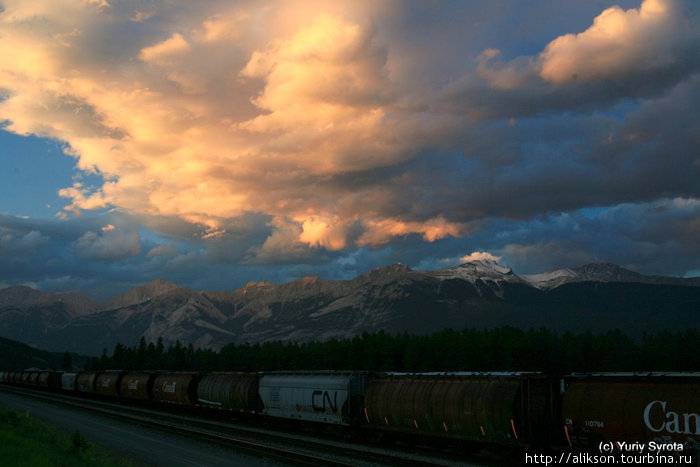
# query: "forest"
{"points": [[501, 349]]}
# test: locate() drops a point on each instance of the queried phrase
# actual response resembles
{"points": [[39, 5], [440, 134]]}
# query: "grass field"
{"points": [[27, 442]]}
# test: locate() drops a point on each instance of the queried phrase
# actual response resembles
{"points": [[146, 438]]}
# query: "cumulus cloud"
{"points": [[13, 242], [111, 244], [315, 101], [657, 37], [161, 250], [658, 237], [625, 53], [163, 52]]}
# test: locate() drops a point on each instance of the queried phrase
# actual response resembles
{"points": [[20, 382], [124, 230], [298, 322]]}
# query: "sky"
{"points": [[221, 142]]}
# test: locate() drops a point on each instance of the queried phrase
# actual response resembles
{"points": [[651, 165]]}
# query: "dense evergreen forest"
{"points": [[501, 349]]}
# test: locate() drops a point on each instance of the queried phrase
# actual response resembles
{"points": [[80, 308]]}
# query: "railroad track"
{"points": [[288, 447]]}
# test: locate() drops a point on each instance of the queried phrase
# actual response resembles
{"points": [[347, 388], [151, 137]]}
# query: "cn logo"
{"points": [[321, 401]]}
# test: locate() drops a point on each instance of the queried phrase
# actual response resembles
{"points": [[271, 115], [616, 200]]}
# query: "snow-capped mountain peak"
{"points": [[481, 269]]}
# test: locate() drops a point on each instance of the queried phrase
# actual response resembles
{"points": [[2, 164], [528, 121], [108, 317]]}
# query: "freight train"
{"points": [[516, 409]]}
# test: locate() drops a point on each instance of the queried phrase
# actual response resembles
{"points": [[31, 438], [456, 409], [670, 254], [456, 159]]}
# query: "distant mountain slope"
{"points": [[22, 298], [479, 294], [602, 272], [18, 356]]}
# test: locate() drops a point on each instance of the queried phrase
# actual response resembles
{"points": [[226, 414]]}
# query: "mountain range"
{"points": [[478, 294]]}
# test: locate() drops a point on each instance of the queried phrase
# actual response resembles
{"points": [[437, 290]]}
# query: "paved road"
{"points": [[145, 446]]}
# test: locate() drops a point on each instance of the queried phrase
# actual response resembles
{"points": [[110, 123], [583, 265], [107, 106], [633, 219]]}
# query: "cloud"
{"points": [[622, 45], [653, 238], [378, 233], [313, 102], [14, 242], [625, 54], [110, 245], [304, 132], [479, 255], [161, 250], [164, 52], [324, 98]]}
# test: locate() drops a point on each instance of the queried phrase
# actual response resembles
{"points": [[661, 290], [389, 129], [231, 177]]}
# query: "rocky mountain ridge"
{"points": [[394, 298]]}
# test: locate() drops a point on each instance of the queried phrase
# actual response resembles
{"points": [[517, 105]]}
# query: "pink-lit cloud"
{"points": [[251, 129], [621, 43], [480, 255]]}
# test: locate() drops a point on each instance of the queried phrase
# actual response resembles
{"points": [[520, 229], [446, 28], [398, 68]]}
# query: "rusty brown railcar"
{"points": [[501, 408], [33, 379], [631, 407], [107, 383], [86, 381], [24, 378], [54, 381], [176, 388], [43, 379], [50, 380], [138, 385], [230, 391]]}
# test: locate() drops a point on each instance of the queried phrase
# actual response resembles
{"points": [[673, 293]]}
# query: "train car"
{"points": [[176, 388], [333, 398], [137, 386], [34, 378], [50, 380], [86, 382], [68, 381], [631, 407], [230, 391], [514, 409], [24, 378], [108, 383], [43, 379]]}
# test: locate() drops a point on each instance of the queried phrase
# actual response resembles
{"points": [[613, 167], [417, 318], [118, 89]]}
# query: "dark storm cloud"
{"points": [[653, 238], [106, 253]]}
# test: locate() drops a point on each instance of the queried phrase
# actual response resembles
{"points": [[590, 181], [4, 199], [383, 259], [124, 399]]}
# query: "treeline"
{"points": [[501, 349]]}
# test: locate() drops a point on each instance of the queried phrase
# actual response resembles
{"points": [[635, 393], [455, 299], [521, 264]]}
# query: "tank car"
{"points": [[49, 380], [176, 388], [230, 391], [137, 386], [107, 383], [86, 382]]}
